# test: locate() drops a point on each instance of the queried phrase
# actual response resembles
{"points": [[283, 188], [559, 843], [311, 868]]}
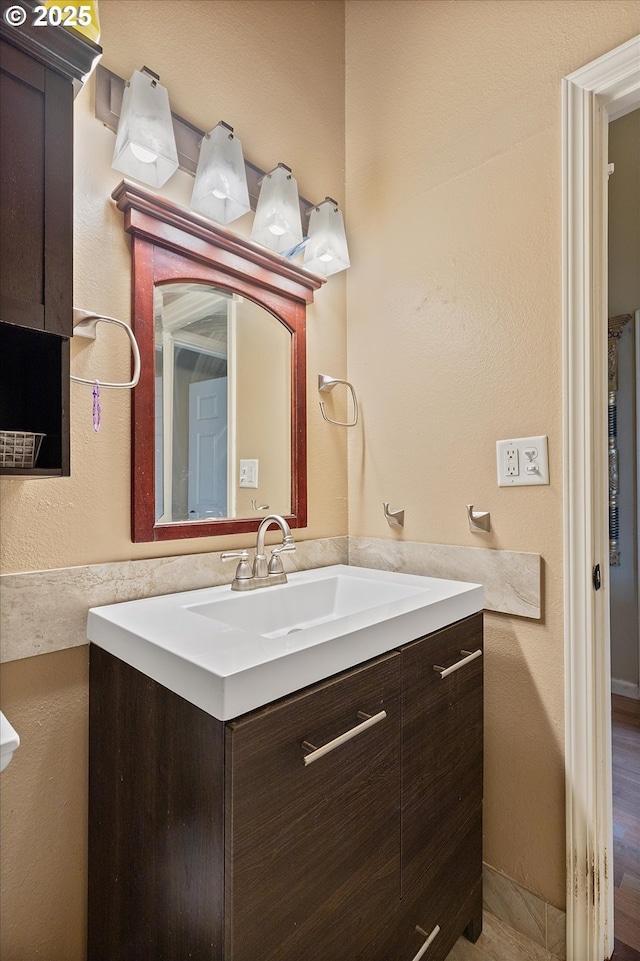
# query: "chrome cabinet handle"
{"points": [[470, 656], [430, 938], [317, 752]]}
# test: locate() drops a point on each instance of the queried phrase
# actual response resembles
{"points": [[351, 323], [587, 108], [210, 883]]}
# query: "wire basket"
{"points": [[19, 448]]}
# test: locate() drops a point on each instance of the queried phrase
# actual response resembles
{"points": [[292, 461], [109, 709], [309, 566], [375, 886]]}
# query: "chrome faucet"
{"points": [[262, 574]]}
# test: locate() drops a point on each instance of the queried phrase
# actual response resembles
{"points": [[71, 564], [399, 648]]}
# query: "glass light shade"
{"points": [[277, 222], [145, 144], [326, 252], [220, 190]]}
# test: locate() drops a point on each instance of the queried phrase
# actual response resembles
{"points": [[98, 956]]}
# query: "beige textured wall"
{"points": [[454, 336], [624, 222], [275, 71], [43, 802]]}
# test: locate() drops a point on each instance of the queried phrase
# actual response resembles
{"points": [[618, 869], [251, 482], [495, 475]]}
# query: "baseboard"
{"points": [[625, 689], [524, 911]]}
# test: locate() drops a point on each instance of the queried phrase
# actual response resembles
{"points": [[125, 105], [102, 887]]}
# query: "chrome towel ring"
{"points": [[326, 385]]}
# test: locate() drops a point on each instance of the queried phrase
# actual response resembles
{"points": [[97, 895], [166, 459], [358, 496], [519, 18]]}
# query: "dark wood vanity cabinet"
{"points": [[38, 67], [217, 842]]}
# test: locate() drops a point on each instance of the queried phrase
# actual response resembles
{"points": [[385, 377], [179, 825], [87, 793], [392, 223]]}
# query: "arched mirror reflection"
{"points": [[219, 416], [223, 406]]}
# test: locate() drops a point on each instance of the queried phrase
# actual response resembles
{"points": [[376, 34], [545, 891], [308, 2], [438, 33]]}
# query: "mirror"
{"points": [[223, 406], [219, 413]]}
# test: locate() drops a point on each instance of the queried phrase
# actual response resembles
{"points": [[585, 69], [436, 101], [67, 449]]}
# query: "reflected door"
{"points": [[208, 431]]}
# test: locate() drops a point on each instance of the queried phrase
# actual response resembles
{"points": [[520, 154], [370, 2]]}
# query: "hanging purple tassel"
{"points": [[96, 410]]}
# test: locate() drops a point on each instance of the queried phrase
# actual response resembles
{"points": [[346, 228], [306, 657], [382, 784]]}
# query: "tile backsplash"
{"points": [[45, 611]]}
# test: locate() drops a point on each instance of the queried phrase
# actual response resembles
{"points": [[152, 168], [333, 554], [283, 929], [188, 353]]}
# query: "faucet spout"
{"points": [[260, 568], [266, 523], [261, 574]]}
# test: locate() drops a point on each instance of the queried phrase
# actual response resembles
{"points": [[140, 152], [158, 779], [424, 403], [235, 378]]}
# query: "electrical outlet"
{"points": [[511, 462], [248, 473], [522, 461]]}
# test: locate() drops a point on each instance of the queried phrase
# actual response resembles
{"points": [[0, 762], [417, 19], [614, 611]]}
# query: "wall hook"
{"points": [[325, 385], [479, 521], [394, 517]]}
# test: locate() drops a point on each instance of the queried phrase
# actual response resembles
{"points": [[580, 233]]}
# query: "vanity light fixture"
{"points": [[220, 191], [145, 143], [326, 250], [277, 223]]}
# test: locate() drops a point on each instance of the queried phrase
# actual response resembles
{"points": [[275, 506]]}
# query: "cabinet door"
{"points": [[442, 743], [156, 820], [36, 194], [313, 849], [441, 907]]}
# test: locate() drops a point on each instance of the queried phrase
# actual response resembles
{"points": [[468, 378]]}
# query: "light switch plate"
{"points": [[522, 461]]}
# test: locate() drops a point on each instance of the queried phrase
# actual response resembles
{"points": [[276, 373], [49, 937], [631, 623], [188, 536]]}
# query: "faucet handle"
{"points": [[243, 571], [276, 568], [232, 555], [287, 545]]}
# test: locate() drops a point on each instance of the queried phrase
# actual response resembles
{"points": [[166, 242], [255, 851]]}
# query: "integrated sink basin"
{"points": [[300, 605], [229, 652]]}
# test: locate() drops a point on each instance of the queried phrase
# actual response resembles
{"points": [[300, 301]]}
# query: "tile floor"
{"points": [[498, 942]]}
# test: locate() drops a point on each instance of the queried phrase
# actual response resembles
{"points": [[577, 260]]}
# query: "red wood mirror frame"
{"points": [[171, 243]]}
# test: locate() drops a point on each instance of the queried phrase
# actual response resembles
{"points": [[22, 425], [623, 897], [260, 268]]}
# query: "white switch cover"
{"points": [[248, 473], [522, 460]]}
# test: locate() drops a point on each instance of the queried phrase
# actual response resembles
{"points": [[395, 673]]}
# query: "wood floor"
{"points": [[625, 736]]}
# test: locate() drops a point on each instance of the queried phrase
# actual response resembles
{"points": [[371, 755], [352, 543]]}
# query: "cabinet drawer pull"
{"points": [[317, 752], [430, 937], [470, 656]]}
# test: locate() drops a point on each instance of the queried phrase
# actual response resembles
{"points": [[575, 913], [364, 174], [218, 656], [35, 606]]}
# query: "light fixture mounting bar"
{"points": [[109, 91]]}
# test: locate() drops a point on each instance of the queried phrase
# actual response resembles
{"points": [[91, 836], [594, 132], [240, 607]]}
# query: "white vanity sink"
{"points": [[229, 652]]}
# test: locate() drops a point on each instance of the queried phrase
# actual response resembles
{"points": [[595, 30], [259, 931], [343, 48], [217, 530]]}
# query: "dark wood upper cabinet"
{"points": [[36, 193], [38, 69]]}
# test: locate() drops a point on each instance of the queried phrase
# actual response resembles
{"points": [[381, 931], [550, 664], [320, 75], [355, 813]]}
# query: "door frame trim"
{"points": [[592, 96]]}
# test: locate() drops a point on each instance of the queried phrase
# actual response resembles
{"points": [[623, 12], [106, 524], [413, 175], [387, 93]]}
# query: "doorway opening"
{"points": [[592, 97], [624, 547]]}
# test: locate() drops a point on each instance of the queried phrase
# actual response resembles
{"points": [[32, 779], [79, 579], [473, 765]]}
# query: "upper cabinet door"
{"points": [[36, 194]]}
